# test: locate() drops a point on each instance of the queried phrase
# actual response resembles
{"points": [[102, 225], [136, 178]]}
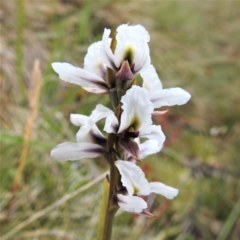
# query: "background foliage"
{"points": [[194, 45]]}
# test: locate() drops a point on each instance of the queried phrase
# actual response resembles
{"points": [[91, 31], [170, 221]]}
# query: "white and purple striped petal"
{"points": [[74, 151], [79, 76]]}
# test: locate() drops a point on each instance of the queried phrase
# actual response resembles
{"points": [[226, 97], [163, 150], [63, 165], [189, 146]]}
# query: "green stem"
{"points": [[109, 224], [109, 207], [104, 209]]}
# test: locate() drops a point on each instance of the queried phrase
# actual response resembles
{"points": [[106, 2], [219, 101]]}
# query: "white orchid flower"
{"points": [[159, 96], [142, 128], [136, 119], [132, 46], [137, 110], [133, 179], [91, 142], [130, 57], [92, 78]]}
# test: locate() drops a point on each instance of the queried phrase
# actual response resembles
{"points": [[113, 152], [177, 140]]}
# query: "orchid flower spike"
{"points": [[135, 183], [110, 67]]}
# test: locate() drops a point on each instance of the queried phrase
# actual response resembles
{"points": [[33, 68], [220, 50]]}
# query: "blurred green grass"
{"points": [[194, 45]]}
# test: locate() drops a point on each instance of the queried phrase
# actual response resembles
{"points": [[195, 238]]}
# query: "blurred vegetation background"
{"points": [[194, 45]]}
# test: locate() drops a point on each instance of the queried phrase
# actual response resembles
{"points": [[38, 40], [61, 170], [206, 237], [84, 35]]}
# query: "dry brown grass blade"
{"points": [[52, 206], [33, 103]]}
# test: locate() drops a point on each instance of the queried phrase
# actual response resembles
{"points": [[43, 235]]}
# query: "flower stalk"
{"points": [[112, 207], [110, 67], [109, 204]]}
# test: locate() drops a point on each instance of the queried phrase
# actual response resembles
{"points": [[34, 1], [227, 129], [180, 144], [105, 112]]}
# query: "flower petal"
{"points": [[137, 30], [130, 146], [144, 60], [74, 151], [94, 135], [125, 72], [151, 80], [133, 178], [137, 110], [79, 119], [111, 124], [95, 90], [148, 147], [131, 203], [169, 97], [87, 134], [79, 76], [132, 43], [163, 189], [98, 113], [107, 54], [93, 61], [156, 134]]}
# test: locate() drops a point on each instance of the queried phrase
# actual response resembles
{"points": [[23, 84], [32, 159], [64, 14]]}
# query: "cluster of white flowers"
{"points": [[110, 66]]}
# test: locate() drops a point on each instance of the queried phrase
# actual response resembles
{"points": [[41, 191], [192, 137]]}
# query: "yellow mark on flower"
{"points": [[135, 123], [135, 190], [129, 55]]}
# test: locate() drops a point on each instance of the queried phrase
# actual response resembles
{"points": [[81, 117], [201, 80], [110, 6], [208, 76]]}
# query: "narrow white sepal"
{"points": [[79, 76], [169, 97], [163, 189], [79, 119], [133, 178], [131, 203], [74, 151]]}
